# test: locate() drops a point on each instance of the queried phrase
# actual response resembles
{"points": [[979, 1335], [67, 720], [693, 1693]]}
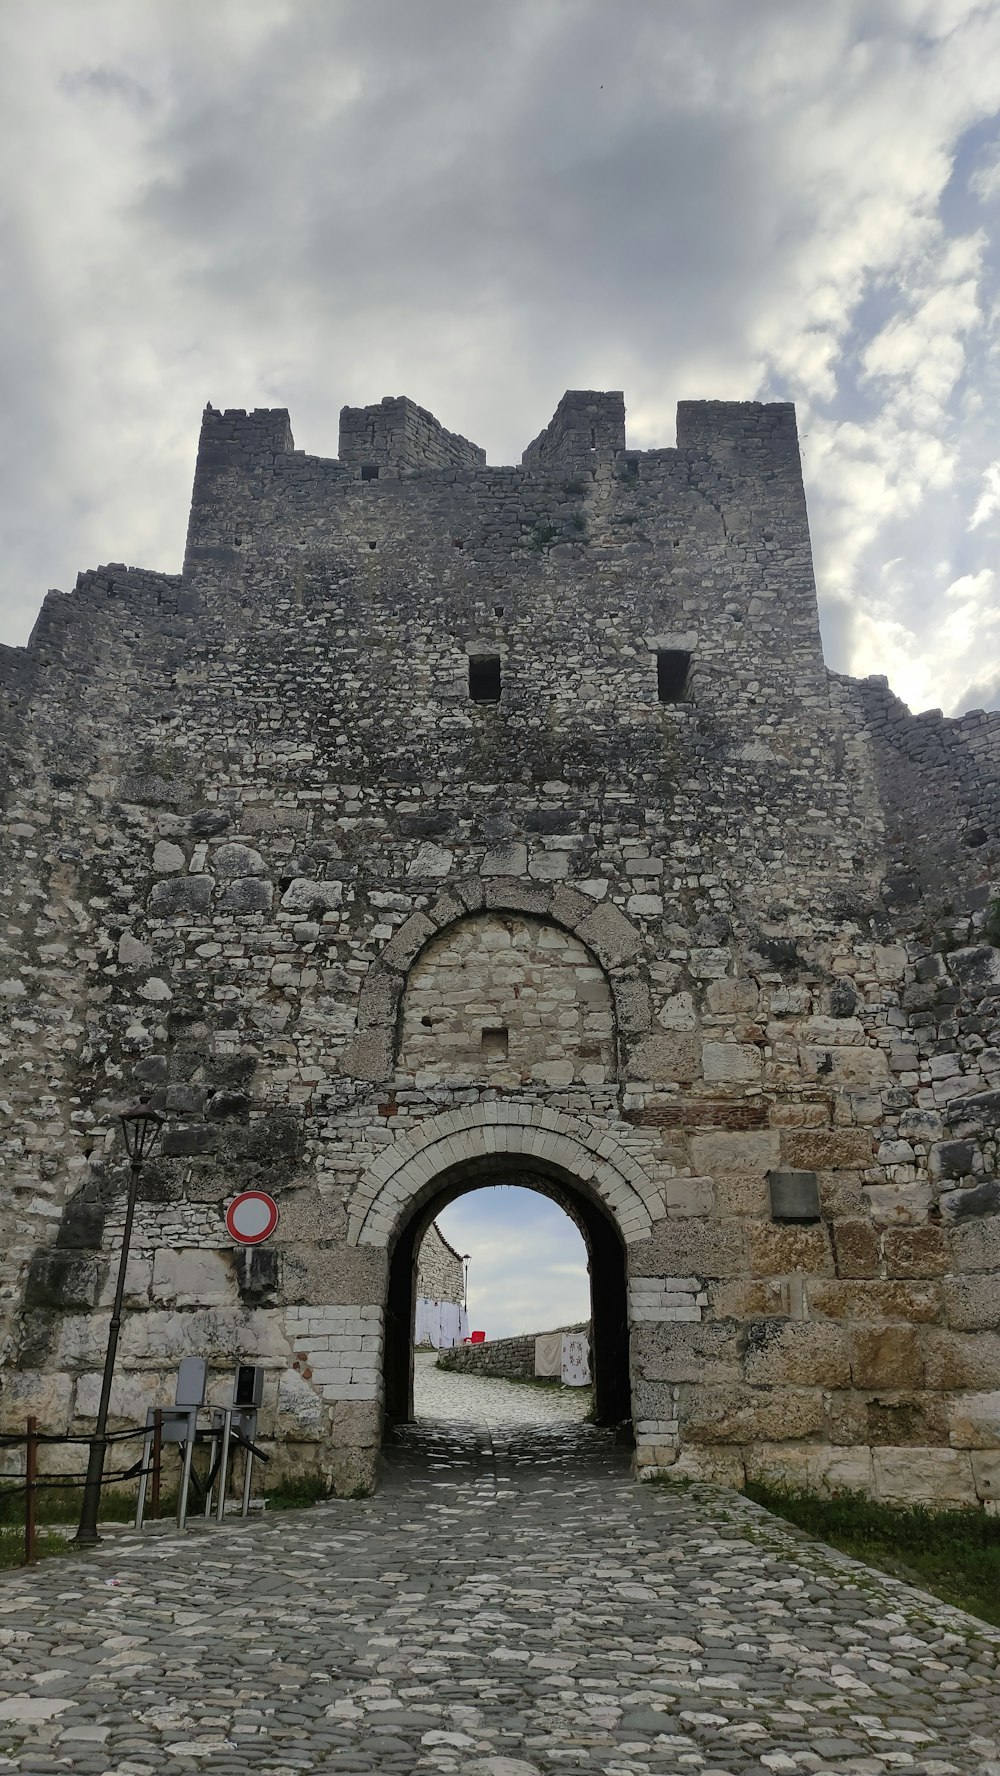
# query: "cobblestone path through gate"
{"points": [[510, 1603]]}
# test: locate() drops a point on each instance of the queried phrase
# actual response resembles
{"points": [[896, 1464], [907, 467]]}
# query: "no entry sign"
{"points": [[251, 1217]]}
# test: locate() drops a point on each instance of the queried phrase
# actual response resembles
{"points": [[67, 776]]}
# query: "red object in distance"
{"points": [[251, 1217]]}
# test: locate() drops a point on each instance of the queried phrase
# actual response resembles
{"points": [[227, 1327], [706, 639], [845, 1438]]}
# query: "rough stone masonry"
{"points": [[444, 824]]}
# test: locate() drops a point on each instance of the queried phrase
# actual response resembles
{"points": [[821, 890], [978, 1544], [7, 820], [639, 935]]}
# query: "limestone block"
{"points": [[167, 858], [974, 1421], [406, 942], [890, 962], [506, 860], [823, 1150], [357, 1422], [856, 1247], [972, 1304], [155, 990], [46, 1394], [678, 1013], [130, 1396], [248, 894], [781, 1250], [613, 939], [915, 1252], [981, 1199], [303, 895], [311, 1218], [924, 1476], [430, 860], [81, 1340], [886, 1356], [736, 1193], [197, 1277], [975, 1246], [977, 969], [723, 1466], [138, 1277], [749, 1150], [689, 1196], [986, 1473], [686, 1352], [351, 1473], [796, 1353], [177, 895], [339, 1276], [230, 861], [834, 1032], [813, 1467], [731, 1063], [961, 1360], [688, 1247], [133, 953], [300, 1409], [223, 1334], [845, 1068], [897, 1204], [632, 1004], [369, 1056], [951, 1159], [754, 1415], [665, 1059], [919, 1302], [736, 998]]}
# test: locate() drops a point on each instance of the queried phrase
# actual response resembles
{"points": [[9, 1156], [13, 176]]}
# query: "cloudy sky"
{"points": [[481, 203], [527, 1261]]}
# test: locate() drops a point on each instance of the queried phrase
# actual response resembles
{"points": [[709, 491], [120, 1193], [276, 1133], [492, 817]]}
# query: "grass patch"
{"points": [[954, 1554], [12, 1547], [296, 1492]]}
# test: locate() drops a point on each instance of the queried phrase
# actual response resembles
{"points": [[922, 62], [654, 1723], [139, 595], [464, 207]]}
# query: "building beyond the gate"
{"points": [[445, 824]]}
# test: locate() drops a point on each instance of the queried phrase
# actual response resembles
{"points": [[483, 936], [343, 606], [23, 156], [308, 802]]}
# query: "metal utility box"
{"points": [[794, 1196], [248, 1388]]}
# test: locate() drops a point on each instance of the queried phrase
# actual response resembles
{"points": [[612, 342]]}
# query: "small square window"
{"points": [[484, 678], [369, 471], [494, 1045], [672, 668]]}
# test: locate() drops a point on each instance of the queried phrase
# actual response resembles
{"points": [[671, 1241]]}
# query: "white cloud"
{"points": [[304, 205], [528, 1263]]}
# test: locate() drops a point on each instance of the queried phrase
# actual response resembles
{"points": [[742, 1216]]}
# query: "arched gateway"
{"points": [[445, 822], [489, 1145]]}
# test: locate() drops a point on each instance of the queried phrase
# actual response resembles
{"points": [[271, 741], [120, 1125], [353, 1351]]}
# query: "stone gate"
{"points": [[444, 823]]}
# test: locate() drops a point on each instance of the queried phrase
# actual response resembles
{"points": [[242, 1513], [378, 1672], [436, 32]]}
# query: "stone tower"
{"points": [[444, 824]]}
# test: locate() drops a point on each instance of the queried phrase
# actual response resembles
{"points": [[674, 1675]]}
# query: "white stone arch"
{"points": [[407, 1173]]}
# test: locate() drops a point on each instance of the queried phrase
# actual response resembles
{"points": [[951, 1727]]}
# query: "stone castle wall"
{"points": [[256, 829], [439, 1268], [505, 1359]]}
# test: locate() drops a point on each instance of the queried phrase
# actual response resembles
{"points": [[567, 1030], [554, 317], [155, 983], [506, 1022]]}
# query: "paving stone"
{"points": [[511, 1603]]}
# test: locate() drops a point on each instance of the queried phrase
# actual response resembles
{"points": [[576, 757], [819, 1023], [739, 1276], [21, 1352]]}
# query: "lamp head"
{"points": [[140, 1127]]}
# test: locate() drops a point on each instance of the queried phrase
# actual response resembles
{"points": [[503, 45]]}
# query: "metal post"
{"points": [[182, 1496], [227, 1431], [30, 1491], [157, 1457], [140, 1126], [247, 1478], [87, 1536]]}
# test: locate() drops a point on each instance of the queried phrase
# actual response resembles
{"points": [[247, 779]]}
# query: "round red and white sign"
{"points": [[251, 1217]]}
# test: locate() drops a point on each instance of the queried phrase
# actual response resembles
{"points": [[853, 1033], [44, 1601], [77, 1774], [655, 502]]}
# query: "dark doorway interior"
{"points": [[606, 1261]]}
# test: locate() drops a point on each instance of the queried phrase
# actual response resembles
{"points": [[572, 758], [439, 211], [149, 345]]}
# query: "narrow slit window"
{"points": [[484, 678], [369, 471], [494, 1045], [672, 669]]}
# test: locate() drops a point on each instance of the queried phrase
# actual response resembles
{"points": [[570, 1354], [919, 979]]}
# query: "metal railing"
{"points": [[33, 1483]]}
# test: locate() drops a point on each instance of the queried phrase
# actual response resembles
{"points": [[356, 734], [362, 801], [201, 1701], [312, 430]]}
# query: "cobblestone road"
{"points": [[510, 1603]]}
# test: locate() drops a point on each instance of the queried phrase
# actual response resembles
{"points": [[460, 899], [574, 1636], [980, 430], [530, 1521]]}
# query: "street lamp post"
{"points": [[140, 1127]]}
